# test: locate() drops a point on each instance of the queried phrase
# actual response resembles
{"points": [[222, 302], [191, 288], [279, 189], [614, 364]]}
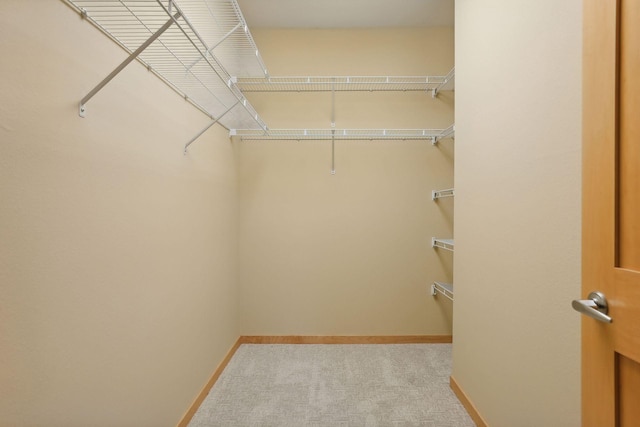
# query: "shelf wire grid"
{"points": [[180, 56]]}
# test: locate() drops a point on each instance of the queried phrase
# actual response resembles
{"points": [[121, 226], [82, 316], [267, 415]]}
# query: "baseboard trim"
{"points": [[470, 407], [186, 418], [345, 339]]}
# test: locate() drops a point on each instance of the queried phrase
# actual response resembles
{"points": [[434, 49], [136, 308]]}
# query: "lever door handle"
{"points": [[596, 306]]}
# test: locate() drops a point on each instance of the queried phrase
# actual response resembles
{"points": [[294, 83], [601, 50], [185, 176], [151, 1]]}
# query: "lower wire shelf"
{"points": [[338, 134], [442, 288], [442, 243]]}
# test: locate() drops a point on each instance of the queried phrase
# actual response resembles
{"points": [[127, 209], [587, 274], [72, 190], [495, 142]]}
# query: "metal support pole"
{"points": [[333, 103], [333, 127], [208, 126], [126, 62]]}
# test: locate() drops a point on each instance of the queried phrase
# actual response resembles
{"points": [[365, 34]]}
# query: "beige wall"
{"points": [[517, 219], [346, 254], [118, 292]]}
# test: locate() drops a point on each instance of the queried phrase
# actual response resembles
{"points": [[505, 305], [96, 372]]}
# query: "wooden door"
{"points": [[611, 211]]}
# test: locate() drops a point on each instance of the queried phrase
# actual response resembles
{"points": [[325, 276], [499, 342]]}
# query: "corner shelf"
{"points": [[442, 288], [442, 243], [439, 194]]}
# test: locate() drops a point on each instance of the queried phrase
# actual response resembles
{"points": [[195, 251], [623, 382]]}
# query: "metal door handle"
{"points": [[596, 306]]}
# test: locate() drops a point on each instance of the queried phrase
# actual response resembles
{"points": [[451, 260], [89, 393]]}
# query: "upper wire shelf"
{"points": [[336, 134], [347, 83], [196, 38], [222, 26]]}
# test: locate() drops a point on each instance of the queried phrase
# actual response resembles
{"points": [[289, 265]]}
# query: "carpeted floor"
{"points": [[335, 385]]}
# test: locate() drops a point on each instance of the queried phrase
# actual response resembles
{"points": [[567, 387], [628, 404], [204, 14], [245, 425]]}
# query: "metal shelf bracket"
{"points": [[206, 128], [444, 289], [446, 83], [446, 133], [438, 194], [82, 109], [446, 244]]}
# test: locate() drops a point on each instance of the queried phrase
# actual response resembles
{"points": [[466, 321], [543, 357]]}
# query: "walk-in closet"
{"points": [[242, 212]]}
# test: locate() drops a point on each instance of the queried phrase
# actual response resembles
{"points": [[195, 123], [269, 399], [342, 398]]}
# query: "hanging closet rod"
{"points": [[181, 56], [335, 134], [346, 83]]}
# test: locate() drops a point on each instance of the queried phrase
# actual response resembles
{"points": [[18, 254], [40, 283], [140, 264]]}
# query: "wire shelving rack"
{"points": [[185, 43]]}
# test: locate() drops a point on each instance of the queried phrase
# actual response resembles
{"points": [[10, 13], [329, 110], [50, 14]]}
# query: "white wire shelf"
{"points": [[336, 134], [196, 38], [442, 243], [347, 83], [223, 28], [442, 288], [439, 194]]}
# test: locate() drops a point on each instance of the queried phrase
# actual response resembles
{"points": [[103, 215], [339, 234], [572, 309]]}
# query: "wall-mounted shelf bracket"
{"points": [[446, 133], [206, 128], [439, 194], [82, 108], [442, 243], [442, 288], [447, 83]]}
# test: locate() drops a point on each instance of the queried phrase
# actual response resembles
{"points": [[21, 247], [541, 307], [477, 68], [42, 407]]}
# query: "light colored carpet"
{"points": [[335, 385]]}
